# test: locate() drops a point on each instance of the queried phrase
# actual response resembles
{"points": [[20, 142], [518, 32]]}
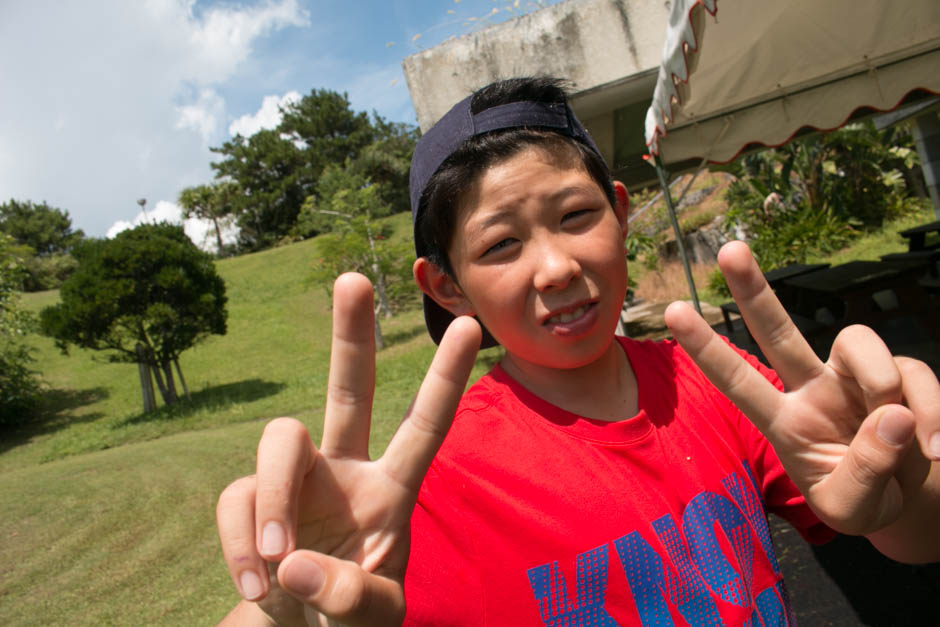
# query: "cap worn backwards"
{"points": [[444, 138]]}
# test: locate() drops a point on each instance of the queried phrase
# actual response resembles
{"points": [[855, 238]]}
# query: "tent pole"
{"points": [[661, 173]]}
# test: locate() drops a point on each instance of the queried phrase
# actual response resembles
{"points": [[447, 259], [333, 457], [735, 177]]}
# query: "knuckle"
{"points": [[427, 424], [284, 425], [909, 366], [781, 332], [738, 377], [236, 493], [350, 593], [868, 466], [347, 395]]}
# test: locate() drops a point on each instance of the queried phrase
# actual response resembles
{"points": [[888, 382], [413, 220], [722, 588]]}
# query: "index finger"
{"points": [[768, 322], [728, 371], [422, 432]]}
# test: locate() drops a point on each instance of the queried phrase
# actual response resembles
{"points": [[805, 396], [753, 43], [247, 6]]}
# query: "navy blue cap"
{"points": [[448, 134]]}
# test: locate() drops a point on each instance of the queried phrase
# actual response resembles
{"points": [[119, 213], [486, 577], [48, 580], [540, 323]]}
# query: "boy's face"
{"points": [[538, 257]]}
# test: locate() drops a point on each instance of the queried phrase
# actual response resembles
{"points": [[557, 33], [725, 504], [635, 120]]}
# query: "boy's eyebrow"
{"points": [[505, 210]]}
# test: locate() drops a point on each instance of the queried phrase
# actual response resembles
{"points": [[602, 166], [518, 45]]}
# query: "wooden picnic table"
{"points": [[776, 278], [928, 259], [917, 236], [854, 285]]}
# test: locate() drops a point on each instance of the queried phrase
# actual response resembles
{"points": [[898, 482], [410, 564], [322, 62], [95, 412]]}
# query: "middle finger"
{"points": [[778, 338], [352, 370]]}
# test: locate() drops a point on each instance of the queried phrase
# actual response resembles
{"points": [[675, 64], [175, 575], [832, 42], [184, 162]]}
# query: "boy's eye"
{"points": [[498, 246], [574, 215]]}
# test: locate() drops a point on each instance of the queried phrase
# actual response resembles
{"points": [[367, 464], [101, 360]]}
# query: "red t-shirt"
{"points": [[531, 515]]}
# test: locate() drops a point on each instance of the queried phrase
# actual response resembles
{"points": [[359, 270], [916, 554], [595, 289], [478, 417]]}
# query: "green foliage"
{"points": [[387, 161], [148, 286], [43, 239], [18, 385], [276, 170], [695, 222], [811, 197], [356, 241], [327, 128], [717, 284], [213, 202], [274, 176], [348, 250]]}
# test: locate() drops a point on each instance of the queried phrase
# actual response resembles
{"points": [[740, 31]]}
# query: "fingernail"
{"points": [[303, 577], [933, 445], [250, 584], [273, 539], [895, 428]]}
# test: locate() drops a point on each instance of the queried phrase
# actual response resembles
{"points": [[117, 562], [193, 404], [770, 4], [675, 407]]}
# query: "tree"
{"points": [[278, 169], [47, 230], [145, 296], [812, 196], [357, 242], [18, 385], [213, 202], [327, 128], [43, 238], [274, 178], [387, 161]]}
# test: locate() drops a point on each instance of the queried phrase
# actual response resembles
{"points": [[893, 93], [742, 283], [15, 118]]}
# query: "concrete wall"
{"points": [[609, 49]]}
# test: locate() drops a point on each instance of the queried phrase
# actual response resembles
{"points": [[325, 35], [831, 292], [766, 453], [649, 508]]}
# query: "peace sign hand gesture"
{"points": [[338, 522], [843, 429]]}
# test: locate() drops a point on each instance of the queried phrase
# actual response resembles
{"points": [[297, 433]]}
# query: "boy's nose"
{"points": [[555, 267]]}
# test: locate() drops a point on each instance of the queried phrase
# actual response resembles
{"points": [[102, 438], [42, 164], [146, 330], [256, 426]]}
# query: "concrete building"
{"points": [[610, 50]]}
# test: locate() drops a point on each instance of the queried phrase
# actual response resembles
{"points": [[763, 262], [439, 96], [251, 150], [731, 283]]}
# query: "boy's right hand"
{"points": [[338, 522]]}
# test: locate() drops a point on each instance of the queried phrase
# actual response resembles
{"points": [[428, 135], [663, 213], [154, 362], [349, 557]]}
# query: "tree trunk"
{"points": [[379, 340], [182, 380], [167, 388], [380, 290], [218, 238], [170, 382], [146, 382]]}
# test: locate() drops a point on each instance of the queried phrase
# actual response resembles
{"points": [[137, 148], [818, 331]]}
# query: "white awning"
{"points": [[738, 73]]}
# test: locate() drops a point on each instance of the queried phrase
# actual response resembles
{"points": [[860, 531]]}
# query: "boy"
{"points": [[587, 479]]}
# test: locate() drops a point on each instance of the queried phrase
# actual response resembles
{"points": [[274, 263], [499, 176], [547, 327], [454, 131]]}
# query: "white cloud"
{"points": [[221, 37], [201, 232], [203, 115], [124, 98], [268, 116]]}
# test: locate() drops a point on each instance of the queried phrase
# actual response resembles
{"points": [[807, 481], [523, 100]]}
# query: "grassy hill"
{"points": [[127, 535], [273, 361], [108, 513]]}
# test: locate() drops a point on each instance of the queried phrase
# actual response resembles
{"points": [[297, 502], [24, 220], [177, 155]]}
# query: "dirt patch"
{"points": [[644, 321]]}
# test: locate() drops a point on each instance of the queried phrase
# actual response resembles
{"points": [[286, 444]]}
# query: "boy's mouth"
{"points": [[568, 316]]}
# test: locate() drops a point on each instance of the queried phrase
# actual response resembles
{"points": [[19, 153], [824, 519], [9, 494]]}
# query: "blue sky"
{"points": [[109, 101]]}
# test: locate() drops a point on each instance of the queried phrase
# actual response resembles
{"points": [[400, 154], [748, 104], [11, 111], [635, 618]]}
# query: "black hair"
{"points": [[463, 168]]}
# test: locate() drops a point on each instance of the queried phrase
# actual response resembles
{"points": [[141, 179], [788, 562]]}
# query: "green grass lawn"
{"points": [[109, 513], [127, 535]]}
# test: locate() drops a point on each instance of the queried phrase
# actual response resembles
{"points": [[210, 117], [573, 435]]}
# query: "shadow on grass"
{"points": [[213, 398], [401, 336], [53, 412]]}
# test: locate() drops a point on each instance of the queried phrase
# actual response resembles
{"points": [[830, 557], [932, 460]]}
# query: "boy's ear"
{"points": [[623, 206], [441, 287]]}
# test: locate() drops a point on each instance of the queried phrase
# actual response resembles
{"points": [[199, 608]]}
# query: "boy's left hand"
{"points": [[843, 429]]}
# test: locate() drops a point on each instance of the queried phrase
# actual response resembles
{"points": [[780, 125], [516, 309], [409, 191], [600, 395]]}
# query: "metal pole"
{"points": [[661, 173]]}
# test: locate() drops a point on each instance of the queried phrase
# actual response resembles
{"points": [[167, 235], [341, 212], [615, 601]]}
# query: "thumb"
{"points": [[342, 590], [866, 495]]}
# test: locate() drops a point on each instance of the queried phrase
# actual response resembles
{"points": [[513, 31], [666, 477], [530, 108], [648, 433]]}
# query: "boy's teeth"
{"points": [[568, 317]]}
